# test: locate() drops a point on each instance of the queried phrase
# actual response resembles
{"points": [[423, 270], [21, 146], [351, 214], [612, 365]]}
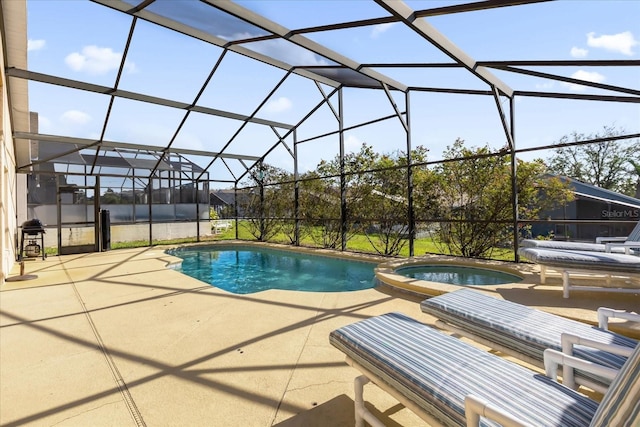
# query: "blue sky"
{"points": [[84, 41]]}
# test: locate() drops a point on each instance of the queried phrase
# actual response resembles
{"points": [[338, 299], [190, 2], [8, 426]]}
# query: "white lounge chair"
{"points": [[590, 262], [445, 380], [525, 333], [628, 245]]}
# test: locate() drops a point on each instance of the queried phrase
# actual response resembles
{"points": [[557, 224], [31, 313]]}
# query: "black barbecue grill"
{"points": [[32, 230]]}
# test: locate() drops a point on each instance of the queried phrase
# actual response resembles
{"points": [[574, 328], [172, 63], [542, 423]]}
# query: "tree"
{"points": [[319, 200], [288, 225], [263, 204], [605, 164], [636, 169], [376, 196], [110, 197], [213, 215], [426, 185], [384, 208], [323, 196], [386, 213], [476, 198]]}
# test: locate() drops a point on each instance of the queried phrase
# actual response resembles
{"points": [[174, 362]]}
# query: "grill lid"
{"points": [[33, 226]]}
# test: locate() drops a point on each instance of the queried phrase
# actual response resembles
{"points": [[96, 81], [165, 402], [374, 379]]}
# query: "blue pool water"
{"points": [[243, 270], [458, 275]]}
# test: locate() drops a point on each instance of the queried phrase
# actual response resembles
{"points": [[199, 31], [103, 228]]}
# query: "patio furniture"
{"points": [[576, 246], [525, 332], [628, 245], [445, 380], [572, 261]]}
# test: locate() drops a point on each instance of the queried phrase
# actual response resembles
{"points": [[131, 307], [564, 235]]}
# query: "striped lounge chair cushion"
{"points": [[634, 236], [522, 329], [437, 371], [588, 260], [620, 406], [569, 246]]}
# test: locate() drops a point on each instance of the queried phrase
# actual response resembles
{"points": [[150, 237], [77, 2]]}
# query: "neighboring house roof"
{"points": [[581, 189], [226, 197], [593, 192], [214, 200]]}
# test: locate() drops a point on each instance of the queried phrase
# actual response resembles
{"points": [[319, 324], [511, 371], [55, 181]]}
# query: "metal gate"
{"points": [[78, 219]]}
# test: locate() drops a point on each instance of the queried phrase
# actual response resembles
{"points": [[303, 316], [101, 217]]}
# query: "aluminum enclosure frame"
{"points": [[343, 73]]}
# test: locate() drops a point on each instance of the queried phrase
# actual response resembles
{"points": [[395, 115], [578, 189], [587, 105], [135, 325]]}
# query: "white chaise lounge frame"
{"points": [[602, 244], [474, 406], [606, 264], [374, 342], [567, 287], [363, 414], [567, 343]]}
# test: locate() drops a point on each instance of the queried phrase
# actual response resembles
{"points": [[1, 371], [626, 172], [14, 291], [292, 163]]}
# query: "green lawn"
{"points": [[357, 243]]}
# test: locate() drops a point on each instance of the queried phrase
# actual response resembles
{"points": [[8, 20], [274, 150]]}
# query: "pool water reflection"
{"points": [[458, 275], [244, 270]]}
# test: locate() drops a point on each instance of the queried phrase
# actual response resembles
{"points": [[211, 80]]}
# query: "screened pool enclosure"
{"points": [[410, 126], [123, 195]]}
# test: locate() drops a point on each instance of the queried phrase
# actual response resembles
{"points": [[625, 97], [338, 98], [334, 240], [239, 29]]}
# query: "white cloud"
{"points": [[188, 140], [96, 60], [287, 52], [578, 52], [236, 36], [44, 124], [75, 117], [279, 105], [621, 42], [381, 28], [130, 67], [35, 45], [589, 76], [545, 85], [149, 133], [352, 144]]}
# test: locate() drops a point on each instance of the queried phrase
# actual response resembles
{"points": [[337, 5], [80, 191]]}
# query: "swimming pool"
{"points": [[458, 275], [245, 270]]}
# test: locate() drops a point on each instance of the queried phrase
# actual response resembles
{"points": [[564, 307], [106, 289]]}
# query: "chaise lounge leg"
{"points": [[361, 412], [359, 383], [565, 284]]}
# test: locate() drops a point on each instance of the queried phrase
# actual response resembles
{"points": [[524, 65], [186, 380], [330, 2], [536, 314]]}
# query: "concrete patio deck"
{"points": [[118, 339]]}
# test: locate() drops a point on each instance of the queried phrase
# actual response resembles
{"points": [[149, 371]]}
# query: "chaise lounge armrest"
{"points": [[555, 358], [604, 314], [568, 368], [610, 239], [525, 332], [475, 407], [627, 245], [569, 340]]}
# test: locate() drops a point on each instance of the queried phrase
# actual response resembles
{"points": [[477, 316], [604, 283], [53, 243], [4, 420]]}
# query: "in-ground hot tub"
{"points": [[458, 274], [435, 275]]}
